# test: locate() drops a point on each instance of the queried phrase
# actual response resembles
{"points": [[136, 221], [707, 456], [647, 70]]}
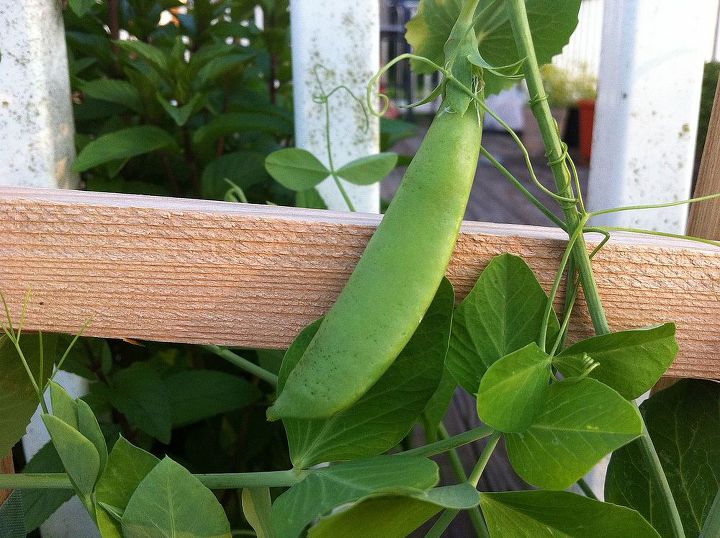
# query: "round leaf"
{"points": [[579, 423], [513, 389], [296, 169], [368, 170]]}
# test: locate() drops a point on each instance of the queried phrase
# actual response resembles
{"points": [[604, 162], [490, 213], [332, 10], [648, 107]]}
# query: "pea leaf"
{"points": [[256, 504], [310, 198], [631, 362], [198, 394], [63, 405], [552, 22], [89, 427], [684, 424], [503, 313], [79, 456], [580, 422], [558, 513], [438, 404], [139, 393], [368, 170], [11, 517], [711, 527], [40, 504], [329, 487], [18, 400], [514, 389], [388, 411], [127, 466], [380, 517], [114, 91], [168, 501], [122, 144], [296, 169]]}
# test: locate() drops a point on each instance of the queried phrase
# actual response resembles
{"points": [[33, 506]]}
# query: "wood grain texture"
{"points": [[6, 467], [192, 271], [704, 220]]}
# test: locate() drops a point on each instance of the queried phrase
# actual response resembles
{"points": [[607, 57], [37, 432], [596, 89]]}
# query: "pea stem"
{"points": [[433, 449], [242, 363], [555, 152], [476, 518]]}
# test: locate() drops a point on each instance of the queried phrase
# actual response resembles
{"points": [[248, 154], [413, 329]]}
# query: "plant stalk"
{"points": [[243, 363], [653, 461], [554, 150], [433, 449]]}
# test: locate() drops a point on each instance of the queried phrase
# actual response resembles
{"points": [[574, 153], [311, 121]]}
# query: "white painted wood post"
{"points": [[36, 150], [651, 68], [36, 122], [649, 86], [343, 36]]}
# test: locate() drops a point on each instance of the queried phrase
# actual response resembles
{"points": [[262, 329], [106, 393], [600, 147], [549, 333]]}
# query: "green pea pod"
{"points": [[396, 278]]}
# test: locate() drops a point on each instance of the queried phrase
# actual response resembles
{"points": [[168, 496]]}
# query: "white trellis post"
{"points": [[37, 150], [649, 84], [651, 69], [342, 36]]}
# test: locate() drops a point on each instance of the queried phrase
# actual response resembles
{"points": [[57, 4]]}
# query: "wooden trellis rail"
{"points": [[180, 270]]}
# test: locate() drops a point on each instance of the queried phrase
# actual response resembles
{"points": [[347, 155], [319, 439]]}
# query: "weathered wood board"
{"points": [[178, 270]]}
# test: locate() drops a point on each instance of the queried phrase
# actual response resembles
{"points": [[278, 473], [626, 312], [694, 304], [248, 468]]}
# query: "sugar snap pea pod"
{"points": [[396, 278]]}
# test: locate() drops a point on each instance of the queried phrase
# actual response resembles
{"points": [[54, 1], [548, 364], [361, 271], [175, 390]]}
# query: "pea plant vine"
{"points": [[391, 352]]}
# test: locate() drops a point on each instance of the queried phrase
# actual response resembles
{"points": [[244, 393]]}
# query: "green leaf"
{"points": [[114, 91], [40, 504], [370, 169], [81, 7], [556, 514], [89, 427], [171, 502], [439, 402], [684, 424], [329, 487], [383, 517], [151, 54], [388, 411], [181, 114], [122, 144], [240, 122], [296, 169], [502, 313], [139, 393], [552, 22], [18, 400], [711, 527], [631, 362], [63, 406], [256, 504], [199, 394], [514, 389], [580, 422], [79, 456], [222, 67], [11, 517], [244, 168], [126, 468]]}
